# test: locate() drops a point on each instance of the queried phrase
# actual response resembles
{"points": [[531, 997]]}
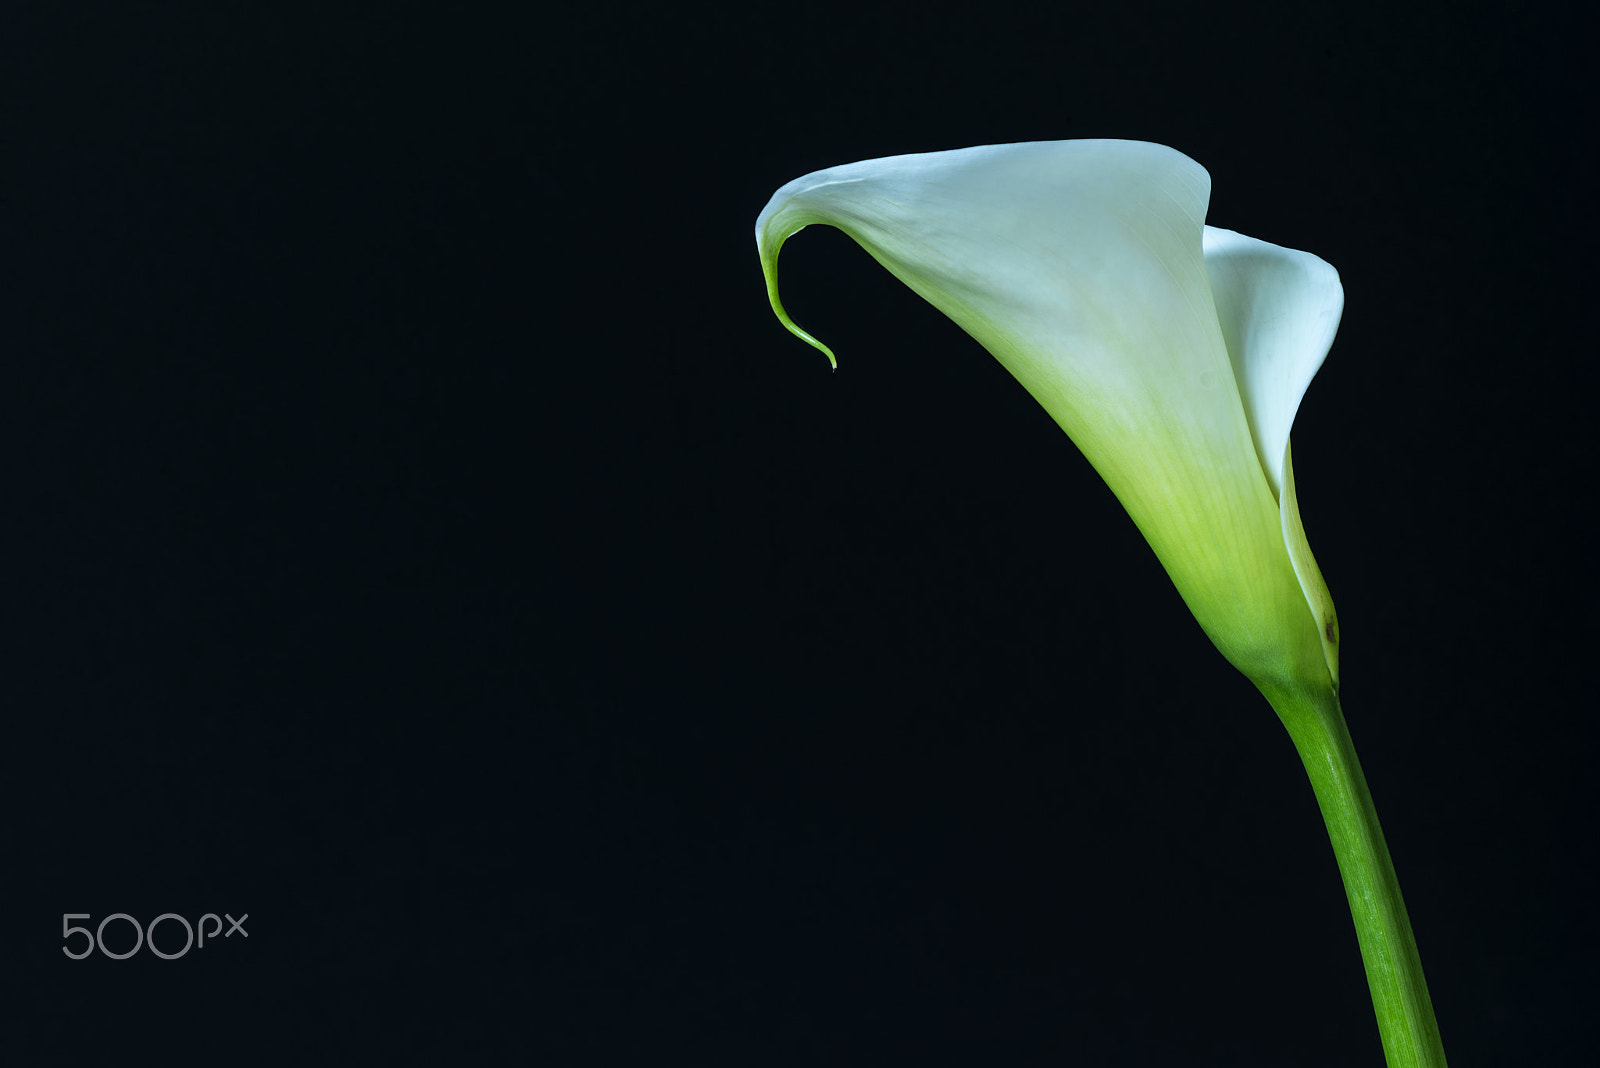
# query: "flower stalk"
{"points": [[1406, 1023]]}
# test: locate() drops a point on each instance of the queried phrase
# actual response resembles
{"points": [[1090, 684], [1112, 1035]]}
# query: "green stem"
{"points": [[1388, 948]]}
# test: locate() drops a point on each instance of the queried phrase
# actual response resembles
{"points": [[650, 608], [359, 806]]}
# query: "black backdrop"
{"points": [[422, 538]]}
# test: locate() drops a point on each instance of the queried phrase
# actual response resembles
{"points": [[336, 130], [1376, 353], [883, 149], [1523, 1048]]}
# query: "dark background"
{"points": [[422, 538]]}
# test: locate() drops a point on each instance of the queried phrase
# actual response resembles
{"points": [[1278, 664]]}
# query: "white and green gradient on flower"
{"points": [[1175, 355]]}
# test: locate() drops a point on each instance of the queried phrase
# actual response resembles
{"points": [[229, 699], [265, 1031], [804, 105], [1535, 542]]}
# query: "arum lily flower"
{"points": [[1083, 266], [1175, 355]]}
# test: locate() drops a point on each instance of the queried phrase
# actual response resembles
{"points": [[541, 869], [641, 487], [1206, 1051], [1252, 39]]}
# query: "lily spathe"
{"points": [[1174, 354]]}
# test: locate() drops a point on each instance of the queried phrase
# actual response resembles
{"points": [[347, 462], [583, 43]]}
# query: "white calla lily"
{"points": [[1174, 354]]}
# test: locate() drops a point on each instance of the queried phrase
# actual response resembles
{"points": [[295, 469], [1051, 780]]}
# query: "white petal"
{"points": [[1279, 310], [1080, 266]]}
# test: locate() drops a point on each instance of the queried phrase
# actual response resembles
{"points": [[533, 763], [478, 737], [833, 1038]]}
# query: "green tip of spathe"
{"points": [[833, 361], [789, 324], [770, 236]]}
